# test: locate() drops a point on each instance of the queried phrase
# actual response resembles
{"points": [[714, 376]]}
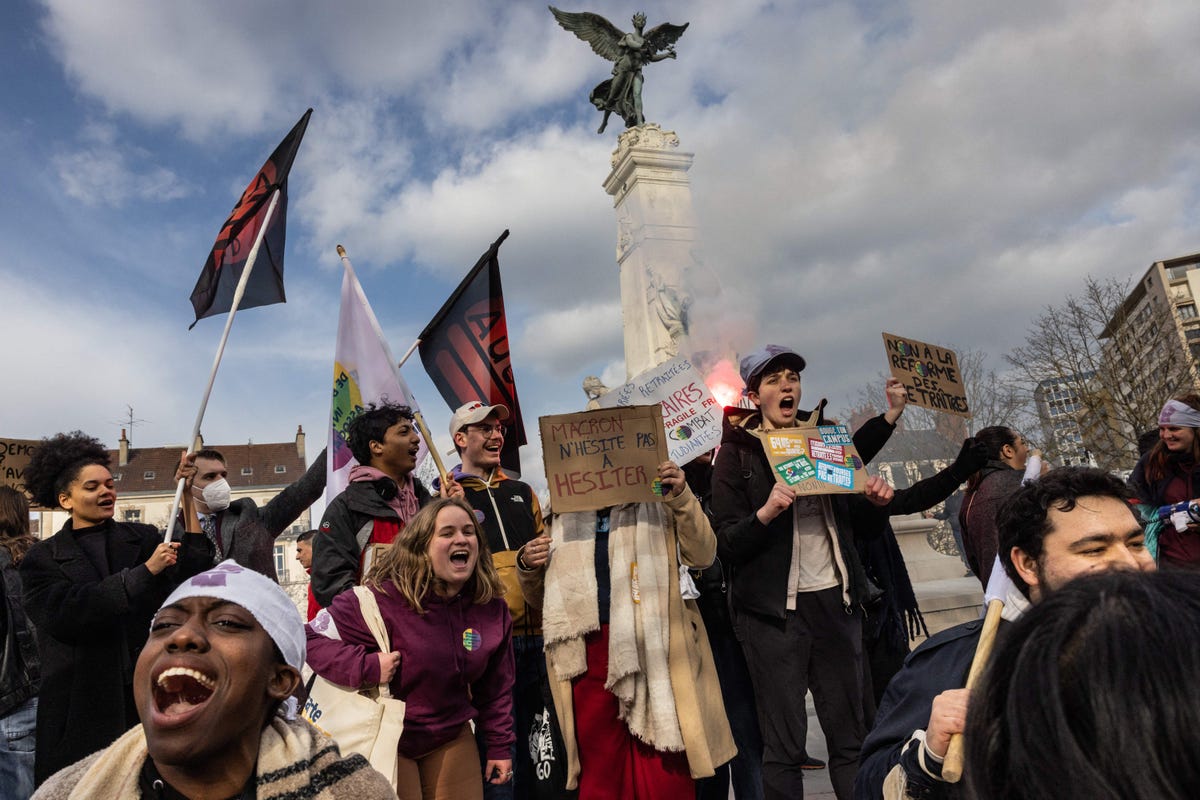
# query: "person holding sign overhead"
{"points": [[628, 657], [797, 586]]}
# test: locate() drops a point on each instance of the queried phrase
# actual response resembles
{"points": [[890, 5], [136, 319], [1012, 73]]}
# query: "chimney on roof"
{"points": [[123, 451], [198, 445], [300, 441]]}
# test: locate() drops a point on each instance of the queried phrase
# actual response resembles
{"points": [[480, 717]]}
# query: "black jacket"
{"points": [[742, 480], [20, 671], [90, 631], [346, 529], [940, 663], [248, 530]]}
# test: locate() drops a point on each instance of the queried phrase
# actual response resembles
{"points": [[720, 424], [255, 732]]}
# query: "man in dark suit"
{"points": [[240, 529]]}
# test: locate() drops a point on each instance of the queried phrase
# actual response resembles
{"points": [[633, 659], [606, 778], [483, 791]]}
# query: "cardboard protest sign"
{"points": [[691, 415], [929, 373], [819, 460], [603, 457], [14, 457]]}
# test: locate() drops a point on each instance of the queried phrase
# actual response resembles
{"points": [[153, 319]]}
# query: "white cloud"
{"points": [[104, 172]]}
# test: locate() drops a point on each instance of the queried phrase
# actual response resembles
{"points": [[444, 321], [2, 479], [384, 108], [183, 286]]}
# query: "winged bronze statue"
{"points": [[622, 93]]}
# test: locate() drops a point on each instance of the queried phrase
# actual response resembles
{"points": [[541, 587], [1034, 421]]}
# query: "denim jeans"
{"points": [[17, 729]]}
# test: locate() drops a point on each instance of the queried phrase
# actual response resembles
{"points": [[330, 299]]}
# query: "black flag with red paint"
{"points": [[465, 350], [215, 288]]}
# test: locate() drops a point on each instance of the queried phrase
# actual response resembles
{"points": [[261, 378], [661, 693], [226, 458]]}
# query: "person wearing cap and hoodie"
{"points": [[213, 690], [797, 588], [510, 517]]}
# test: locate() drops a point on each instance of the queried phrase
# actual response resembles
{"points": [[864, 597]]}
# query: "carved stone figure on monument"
{"points": [[671, 305], [593, 387], [630, 51]]}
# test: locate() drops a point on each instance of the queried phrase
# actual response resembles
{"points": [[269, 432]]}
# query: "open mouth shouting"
{"points": [[179, 692], [461, 558]]}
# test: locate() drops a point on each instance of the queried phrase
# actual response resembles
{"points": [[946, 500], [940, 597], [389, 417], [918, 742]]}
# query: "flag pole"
{"points": [[420, 421], [212, 375], [411, 350]]}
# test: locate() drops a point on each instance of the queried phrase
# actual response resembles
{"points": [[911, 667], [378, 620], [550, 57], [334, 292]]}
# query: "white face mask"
{"points": [[216, 495]]}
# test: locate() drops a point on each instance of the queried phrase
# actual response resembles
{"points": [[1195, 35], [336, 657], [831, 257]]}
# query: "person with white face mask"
{"points": [[240, 529]]}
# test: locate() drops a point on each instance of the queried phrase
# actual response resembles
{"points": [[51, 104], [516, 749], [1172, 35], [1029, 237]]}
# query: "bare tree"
{"points": [[1116, 356], [994, 399]]}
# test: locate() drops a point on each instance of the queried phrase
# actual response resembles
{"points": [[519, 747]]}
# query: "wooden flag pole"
{"points": [[212, 375], [437, 459], [952, 766]]}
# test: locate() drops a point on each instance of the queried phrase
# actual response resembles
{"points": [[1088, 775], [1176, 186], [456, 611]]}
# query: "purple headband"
{"points": [[1179, 414]]}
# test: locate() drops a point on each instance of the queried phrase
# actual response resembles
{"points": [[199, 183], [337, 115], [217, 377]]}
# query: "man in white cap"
{"points": [[213, 689], [511, 518]]}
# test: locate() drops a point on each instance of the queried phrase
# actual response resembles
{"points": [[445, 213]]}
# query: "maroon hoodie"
{"points": [[456, 664]]}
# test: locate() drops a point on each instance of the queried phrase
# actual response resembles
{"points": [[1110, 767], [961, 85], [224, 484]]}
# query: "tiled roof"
{"points": [[261, 459]]}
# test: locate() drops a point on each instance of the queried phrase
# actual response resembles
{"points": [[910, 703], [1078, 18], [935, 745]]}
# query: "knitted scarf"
{"points": [[641, 579], [295, 761]]}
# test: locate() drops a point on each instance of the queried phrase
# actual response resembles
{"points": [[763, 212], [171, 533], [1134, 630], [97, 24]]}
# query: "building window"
{"points": [[133, 515], [116, 477], [247, 470], [280, 566], [280, 469], [1179, 272], [1188, 311], [147, 475]]}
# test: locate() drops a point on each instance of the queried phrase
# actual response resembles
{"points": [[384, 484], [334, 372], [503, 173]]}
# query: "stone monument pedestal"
{"points": [[656, 235]]}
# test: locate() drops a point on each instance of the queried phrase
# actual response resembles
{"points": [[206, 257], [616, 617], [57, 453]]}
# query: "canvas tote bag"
{"points": [[368, 721]]}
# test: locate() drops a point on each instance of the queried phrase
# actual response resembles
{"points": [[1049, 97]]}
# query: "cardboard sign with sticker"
{"points": [[691, 415], [929, 373], [815, 460], [604, 457]]}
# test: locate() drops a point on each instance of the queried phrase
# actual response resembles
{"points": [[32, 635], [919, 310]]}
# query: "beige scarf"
{"points": [[641, 580], [294, 761]]}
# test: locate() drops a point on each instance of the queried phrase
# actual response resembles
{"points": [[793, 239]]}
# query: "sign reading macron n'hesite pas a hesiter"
{"points": [[600, 458]]}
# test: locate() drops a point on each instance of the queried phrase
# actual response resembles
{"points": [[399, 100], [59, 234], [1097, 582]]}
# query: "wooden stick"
{"points": [[212, 375], [437, 459], [952, 766]]}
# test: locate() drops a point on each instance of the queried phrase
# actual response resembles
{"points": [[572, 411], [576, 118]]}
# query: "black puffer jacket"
{"points": [[742, 480], [345, 530]]}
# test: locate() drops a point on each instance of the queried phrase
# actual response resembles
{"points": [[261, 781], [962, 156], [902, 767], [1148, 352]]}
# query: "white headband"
{"points": [[259, 595], [1179, 414]]}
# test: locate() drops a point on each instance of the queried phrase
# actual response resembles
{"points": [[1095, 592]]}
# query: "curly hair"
{"points": [[371, 425], [14, 524], [1023, 520], [406, 564], [56, 463]]}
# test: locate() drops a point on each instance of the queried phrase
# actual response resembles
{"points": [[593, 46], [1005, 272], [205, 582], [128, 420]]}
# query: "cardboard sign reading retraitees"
{"points": [[819, 460], [929, 373], [595, 459], [691, 415]]}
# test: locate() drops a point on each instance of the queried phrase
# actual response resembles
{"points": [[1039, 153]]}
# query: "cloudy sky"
{"points": [[938, 169]]}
